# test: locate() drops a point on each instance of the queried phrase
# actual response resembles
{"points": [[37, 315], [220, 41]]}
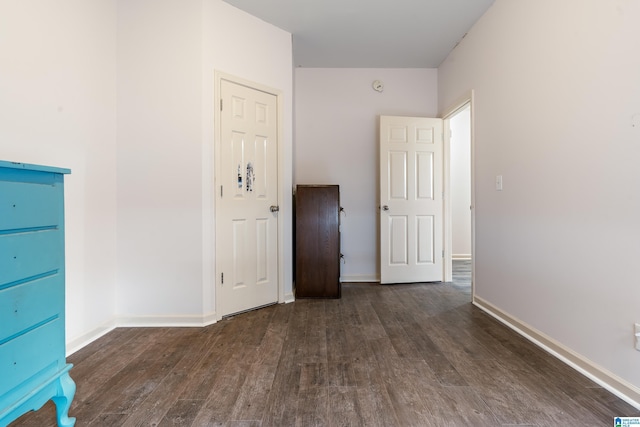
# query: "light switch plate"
{"points": [[499, 182]]}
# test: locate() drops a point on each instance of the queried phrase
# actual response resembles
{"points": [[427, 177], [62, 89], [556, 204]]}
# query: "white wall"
{"points": [[556, 92], [336, 142], [57, 107], [121, 92], [460, 171], [159, 147], [168, 51]]}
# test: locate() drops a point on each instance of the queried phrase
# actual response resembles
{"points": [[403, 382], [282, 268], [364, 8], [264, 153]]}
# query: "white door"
{"points": [[411, 211], [246, 200]]}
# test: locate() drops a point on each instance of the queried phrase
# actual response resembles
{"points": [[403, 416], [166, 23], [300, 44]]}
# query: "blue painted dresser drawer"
{"points": [[30, 303], [25, 255], [28, 205], [37, 352]]}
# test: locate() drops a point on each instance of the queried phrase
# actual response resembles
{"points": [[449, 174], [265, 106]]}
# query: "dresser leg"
{"points": [[66, 391]]}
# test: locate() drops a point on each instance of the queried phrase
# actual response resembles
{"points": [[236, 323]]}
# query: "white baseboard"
{"points": [[137, 322], [607, 380], [166, 321], [363, 278], [209, 319], [86, 339], [289, 298]]}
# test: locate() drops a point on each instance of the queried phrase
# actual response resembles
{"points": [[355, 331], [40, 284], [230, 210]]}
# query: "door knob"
{"points": [[385, 208], [273, 208]]}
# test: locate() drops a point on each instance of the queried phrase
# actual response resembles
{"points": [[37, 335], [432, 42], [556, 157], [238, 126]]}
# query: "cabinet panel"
{"points": [[25, 255], [28, 205], [30, 303], [317, 241], [30, 354]]}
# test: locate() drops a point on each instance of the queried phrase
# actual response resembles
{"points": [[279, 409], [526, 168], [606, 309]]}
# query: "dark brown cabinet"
{"points": [[317, 241]]}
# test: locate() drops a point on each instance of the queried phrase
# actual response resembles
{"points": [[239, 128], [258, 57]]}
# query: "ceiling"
{"points": [[369, 33]]}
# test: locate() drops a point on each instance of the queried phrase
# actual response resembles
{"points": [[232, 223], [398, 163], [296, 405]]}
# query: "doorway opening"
{"points": [[459, 212]]}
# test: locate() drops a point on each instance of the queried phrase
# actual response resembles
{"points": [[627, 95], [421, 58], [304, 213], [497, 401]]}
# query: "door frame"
{"points": [[448, 113], [219, 76]]}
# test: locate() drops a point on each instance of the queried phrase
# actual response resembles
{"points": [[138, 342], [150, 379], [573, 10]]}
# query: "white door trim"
{"points": [[219, 76], [466, 99]]}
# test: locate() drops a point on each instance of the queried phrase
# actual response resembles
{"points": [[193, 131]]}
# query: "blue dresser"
{"points": [[33, 368]]}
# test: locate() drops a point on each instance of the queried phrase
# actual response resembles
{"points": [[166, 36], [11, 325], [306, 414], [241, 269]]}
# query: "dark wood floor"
{"points": [[398, 355], [462, 275]]}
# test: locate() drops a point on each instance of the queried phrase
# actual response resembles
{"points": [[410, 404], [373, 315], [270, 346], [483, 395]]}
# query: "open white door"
{"points": [[246, 199], [411, 210]]}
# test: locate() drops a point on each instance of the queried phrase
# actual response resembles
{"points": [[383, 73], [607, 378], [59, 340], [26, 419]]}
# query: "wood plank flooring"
{"points": [[397, 355]]}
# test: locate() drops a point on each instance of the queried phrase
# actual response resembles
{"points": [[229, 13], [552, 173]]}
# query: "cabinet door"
{"points": [[317, 242]]}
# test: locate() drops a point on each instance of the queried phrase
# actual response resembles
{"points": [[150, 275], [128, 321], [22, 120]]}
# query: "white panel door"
{"points": [[411, 214], [246, 200]]}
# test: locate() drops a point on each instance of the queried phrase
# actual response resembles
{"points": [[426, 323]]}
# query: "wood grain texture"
{"points": [[317, 241], [398, 355]]}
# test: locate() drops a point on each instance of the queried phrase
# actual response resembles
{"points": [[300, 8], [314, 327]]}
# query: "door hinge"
{"points": [[222, 278], [221, 191], [221, 105], [443, 253]]}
